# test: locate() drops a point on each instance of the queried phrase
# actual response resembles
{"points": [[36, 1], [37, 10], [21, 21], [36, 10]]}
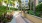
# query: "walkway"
{"points": [[17, 18]]}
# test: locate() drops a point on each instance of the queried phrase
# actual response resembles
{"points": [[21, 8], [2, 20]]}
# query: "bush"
{"points": [[2, 10], [39, 7], [4, 17], [31, 12], [39, 10], [14, 9], [37, 14]]}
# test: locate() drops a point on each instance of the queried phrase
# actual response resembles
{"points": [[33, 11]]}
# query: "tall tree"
{"points": [[13, 3], [7, 2], [19, 3], [21, 8], [30, 4], [34, 7]]}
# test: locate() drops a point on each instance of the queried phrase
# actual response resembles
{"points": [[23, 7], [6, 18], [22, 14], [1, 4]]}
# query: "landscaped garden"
{"points": [[38, 11]]}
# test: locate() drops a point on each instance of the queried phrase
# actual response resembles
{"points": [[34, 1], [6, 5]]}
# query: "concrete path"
{"points": [[13, 20], [17, 18]]}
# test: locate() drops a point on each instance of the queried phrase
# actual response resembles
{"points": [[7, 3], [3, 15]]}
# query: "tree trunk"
{"points": [[34, 7], [7, 7], [29, 5], [20, 4]]}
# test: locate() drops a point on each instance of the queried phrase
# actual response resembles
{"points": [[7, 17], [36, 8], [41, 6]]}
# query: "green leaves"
{"points": [[31, 12], [39, 7], [0, 0], [13, 0], [15, 9], [2, 9], [4, 17], [6, 1], [19, 1]]}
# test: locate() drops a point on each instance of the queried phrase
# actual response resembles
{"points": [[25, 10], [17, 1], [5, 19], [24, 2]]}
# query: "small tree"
{"points": [[39, 9]]}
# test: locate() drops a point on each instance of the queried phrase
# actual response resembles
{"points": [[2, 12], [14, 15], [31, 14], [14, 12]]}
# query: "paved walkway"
{"points": [[17, 18]]}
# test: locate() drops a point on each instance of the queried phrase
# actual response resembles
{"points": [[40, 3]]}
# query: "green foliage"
{"points": [[13, 0], [4, 17], [30, 6], [37, 14], [31, 12], [9, 11], [15, 9], [38, 10], [2, 9], [19, 1], [0, 0], [39, 7]]}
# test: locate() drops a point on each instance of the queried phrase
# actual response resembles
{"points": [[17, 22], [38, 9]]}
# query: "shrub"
{"points": [[14, 9], [39, 7], [31, 12], [37, 14], [39, 10], [2, 10], [3, 15]]}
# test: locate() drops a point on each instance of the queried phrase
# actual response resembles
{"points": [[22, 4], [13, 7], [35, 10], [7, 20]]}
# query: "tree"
{"points": [[22, 10], [30, 4], [39, 10], [34, 7], [7, 2], [20, 4], [0, 2], [4, 17], [13, 3]]}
